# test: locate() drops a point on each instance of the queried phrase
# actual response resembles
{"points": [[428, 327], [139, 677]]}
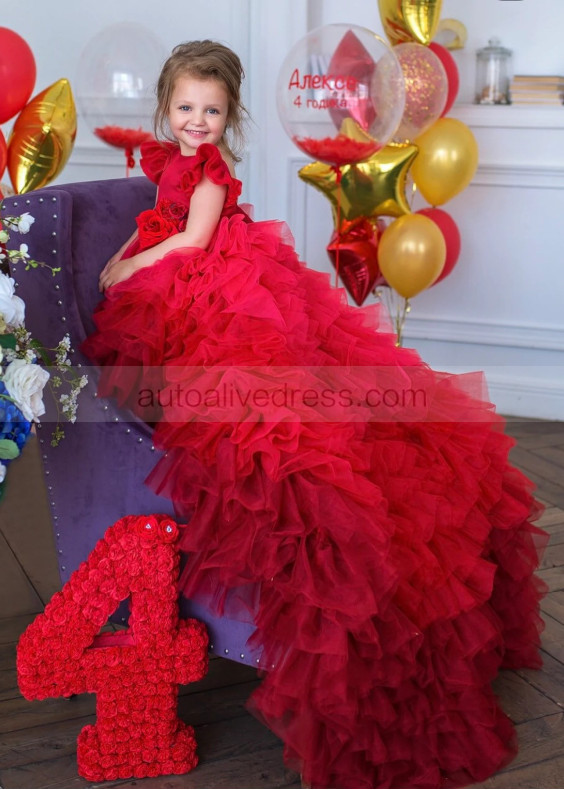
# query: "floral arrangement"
{"points": [[135, 672], [23, 359]]}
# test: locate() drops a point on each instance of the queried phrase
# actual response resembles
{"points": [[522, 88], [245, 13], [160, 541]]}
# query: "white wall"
{"points": [[500, 310], [532, 29]]}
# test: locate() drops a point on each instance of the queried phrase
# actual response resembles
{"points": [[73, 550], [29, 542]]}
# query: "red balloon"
{"points": [[3, 154], [451, 69], [17, 73], [449, 229], [354, 252]]}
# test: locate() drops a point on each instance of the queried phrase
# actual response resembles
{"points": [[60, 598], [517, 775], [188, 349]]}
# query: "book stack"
{"points": [[537, 89]]}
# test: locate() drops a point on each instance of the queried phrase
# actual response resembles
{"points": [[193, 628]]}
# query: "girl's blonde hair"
{"points": [[204, 60]]}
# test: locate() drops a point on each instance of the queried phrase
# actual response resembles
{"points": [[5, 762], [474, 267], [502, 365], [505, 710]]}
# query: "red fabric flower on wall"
{"points": [[134, 673]]}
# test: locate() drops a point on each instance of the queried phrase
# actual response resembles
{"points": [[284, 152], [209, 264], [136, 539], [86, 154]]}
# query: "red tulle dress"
{"points": [[382, 545]]}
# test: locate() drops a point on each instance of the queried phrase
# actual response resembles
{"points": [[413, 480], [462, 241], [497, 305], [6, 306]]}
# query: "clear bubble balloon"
{"points": [[340, 94], [115, 86]]}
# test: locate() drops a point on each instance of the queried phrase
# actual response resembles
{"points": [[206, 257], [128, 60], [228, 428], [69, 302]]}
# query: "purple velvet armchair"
{"points": [[95, 475]]}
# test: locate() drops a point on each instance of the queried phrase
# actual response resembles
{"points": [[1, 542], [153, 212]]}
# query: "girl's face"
{"points": [[197, 113]]}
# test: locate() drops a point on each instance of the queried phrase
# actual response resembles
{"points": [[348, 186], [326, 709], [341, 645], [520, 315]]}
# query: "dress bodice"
{"points": [[177, 177]]}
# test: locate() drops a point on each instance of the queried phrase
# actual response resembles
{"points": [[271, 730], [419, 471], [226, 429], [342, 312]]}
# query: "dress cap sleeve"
{"points": [[155, 156], [208, 161]]}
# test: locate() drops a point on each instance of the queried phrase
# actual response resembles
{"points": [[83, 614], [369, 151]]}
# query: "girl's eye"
{"points": [[213, 111], [184, 107]]}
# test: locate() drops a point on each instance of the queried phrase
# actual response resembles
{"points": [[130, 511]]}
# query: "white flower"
{"points": [[8, 354], [25, 384], [12, 308], [25, 222], [2, 472], [21, 365]]}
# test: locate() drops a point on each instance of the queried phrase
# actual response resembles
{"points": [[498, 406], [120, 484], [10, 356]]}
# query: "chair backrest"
{"points": [[77, 227]]}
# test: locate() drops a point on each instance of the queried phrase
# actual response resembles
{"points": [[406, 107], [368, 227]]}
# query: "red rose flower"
{"points": [[153, 228], [137, 733], [175, 212]]}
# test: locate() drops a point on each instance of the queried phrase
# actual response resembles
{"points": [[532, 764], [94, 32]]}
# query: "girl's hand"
{"points": [[114, 259], [116, 271]]}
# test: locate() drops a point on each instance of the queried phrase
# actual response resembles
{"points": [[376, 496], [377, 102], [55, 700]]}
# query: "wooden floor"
{"points": [[38, 739]]}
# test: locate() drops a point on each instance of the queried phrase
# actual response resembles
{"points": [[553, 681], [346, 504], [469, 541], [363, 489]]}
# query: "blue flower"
{"points": [[13, 425]]}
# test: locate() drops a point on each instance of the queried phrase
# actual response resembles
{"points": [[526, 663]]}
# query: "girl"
{"points": [[358, 506]]}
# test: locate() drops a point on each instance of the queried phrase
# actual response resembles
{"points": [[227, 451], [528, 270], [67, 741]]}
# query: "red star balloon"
{"points": [[354, 253]]}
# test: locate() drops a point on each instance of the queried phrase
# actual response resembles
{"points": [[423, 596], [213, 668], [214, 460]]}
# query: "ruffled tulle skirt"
{"points": [[356, 506]]}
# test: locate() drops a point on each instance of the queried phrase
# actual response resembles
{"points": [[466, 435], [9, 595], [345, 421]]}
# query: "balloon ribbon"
{"points": [[338, 179], [397, 311], [130, 160]]}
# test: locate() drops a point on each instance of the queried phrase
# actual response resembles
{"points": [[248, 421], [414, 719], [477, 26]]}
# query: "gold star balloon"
{"points": [[42, 138], [367, 189]]}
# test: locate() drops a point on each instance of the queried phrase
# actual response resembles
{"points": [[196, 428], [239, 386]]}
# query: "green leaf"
{"points": [[40, 350], [8, 450], [8, 341]]}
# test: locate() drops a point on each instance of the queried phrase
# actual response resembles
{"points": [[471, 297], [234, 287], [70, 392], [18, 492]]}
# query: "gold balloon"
{"points": [[410, 20], [411, 254], [457, 33], [368, 189], [42, 138], [447, 160]]}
